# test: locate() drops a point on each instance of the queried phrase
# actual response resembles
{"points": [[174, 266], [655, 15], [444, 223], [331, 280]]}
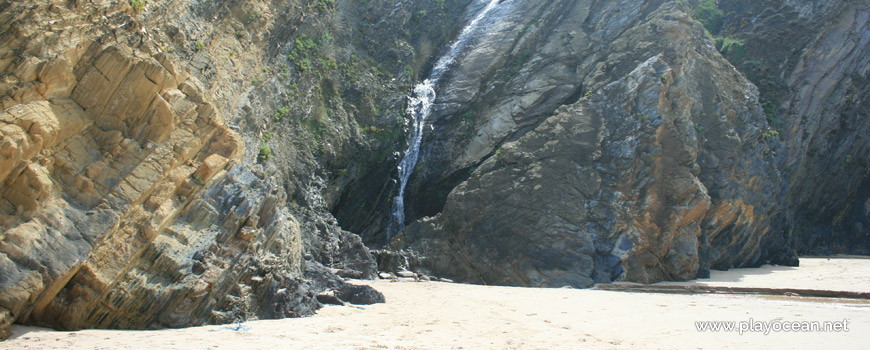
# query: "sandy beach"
{"points": [[437, 315]]}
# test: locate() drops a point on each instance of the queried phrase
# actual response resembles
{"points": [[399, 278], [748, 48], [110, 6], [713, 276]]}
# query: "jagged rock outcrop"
{"points": [[659, 175], [536, 57], [127, 201]]}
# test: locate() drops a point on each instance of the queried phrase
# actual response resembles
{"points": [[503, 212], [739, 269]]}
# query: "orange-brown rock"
{"points": [[123, 200]]}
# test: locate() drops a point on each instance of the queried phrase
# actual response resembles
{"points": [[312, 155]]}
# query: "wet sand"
{"points": [[436, 315]]}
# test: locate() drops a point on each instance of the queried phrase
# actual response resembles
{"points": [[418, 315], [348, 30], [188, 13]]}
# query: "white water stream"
{"points": [[420, 107]]}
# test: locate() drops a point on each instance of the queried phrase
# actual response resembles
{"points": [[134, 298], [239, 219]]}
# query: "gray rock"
{"points": [[360, 295], [330, 298], [406, 274], [810, 61], [633, 182]]}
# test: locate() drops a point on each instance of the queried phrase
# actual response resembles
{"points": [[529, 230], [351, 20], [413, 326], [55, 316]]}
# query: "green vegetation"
{"points": [[708, 13], [199, 46], [281, 113], [769, 134], [728, 43], [302, 52], [376, 70], [410, 71], [713, 18], [726, 37], [418, 17], [198, 180], [769, 109], [138, 5], [322, 5], [315, 127], [732, 48], [306, 55], [265, 152], [372, 130], [254, 17]]}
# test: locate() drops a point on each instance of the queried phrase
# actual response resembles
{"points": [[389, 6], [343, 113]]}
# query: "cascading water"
{"points": [[420, 107]]}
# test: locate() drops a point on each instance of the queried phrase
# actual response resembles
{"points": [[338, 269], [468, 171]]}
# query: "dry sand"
{"points": [[850, 274], [434, 315]]}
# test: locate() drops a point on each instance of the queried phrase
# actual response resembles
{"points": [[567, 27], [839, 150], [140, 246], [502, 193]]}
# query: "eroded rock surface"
{"points": [[180, 164], [126, 200], [659, 175], [811, 61]]}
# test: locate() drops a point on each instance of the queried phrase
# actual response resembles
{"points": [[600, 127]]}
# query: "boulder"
{"points": [[6, 321], [360, 295]]}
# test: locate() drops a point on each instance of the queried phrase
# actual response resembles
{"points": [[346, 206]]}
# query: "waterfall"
{"points": [[419, 108]]}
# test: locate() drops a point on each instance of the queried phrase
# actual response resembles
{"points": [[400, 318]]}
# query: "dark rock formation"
{"points": [[360, 295], [634, 183], [762, 187], [810, 60], [660, 175]]}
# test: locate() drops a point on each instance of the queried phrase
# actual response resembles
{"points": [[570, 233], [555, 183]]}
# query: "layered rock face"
{"points": [[663, 173], [811, 60], [126, 200], [180, 163]]}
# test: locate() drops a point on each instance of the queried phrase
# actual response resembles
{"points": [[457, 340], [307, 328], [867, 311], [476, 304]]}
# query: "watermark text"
{"points": [[767, 327]]}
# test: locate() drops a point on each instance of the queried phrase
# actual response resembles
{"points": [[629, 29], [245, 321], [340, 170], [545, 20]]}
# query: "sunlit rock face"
{"points": [[127, 201]]}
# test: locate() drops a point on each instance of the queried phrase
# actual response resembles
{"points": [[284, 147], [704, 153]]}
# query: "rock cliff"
{"points": [[659, 175], [129, 199], [810, 62], [764, 172], [173, 163]]}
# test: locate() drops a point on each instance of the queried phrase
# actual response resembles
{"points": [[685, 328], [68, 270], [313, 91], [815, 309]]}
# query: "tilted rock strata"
{"points": [[810, 62], [659, 175], [541, 55], [825, 115], [124, 201]]}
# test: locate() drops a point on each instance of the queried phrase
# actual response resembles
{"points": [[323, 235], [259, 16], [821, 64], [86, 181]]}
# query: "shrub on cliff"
{"points": [[138, 5], [708, 13]]}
